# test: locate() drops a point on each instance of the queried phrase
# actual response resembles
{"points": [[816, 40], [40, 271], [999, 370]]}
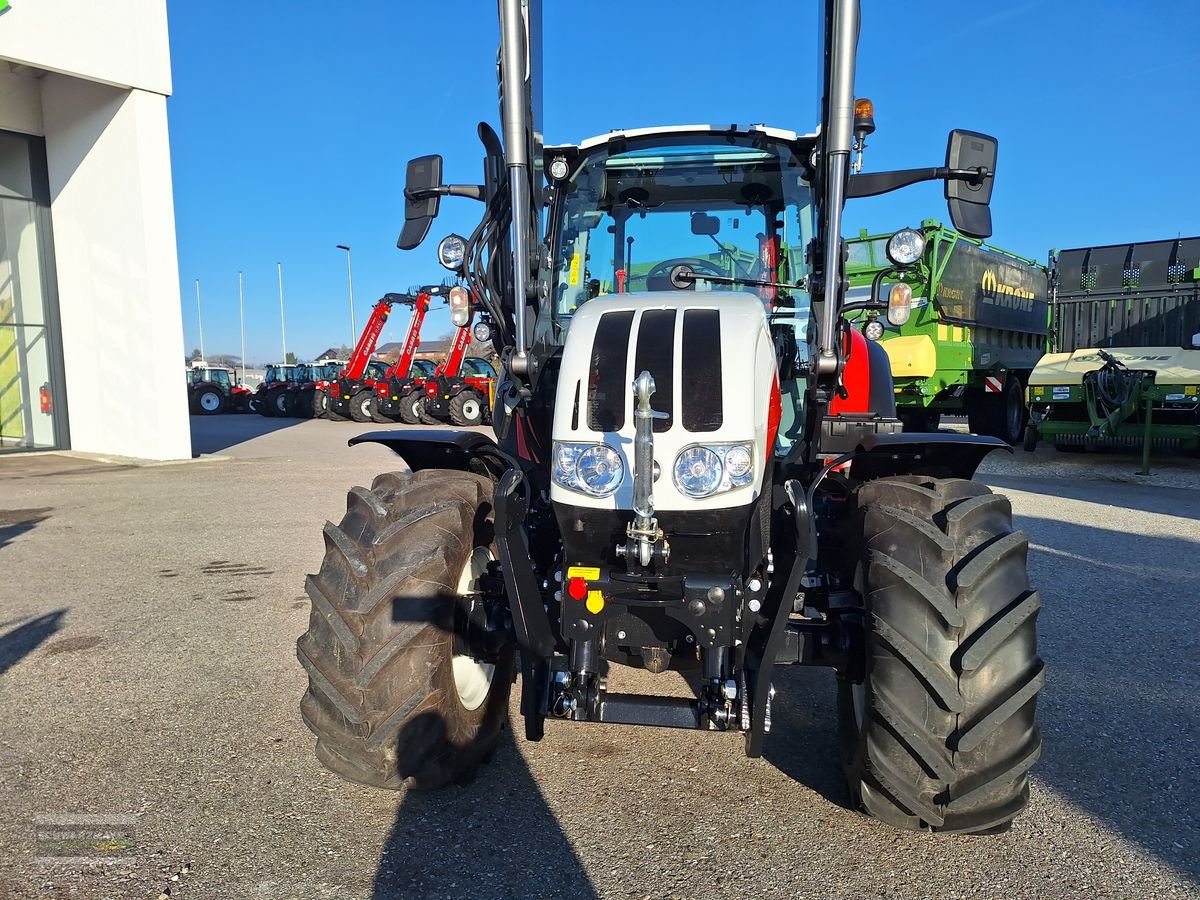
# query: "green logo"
{"points": [[4, 7]]}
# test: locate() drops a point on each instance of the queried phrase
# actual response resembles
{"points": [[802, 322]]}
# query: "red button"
{"points": [[577, 588]]}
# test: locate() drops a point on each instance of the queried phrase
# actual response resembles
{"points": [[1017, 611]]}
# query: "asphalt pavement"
{"points": [[148, 616]]}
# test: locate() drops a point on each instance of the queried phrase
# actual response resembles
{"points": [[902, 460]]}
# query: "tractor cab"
{"points": [[705, 210]]}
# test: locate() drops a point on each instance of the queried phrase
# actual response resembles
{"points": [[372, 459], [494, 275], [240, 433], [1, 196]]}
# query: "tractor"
{"points": [[212, 390], [697, 467], [273, 395], [352, 393], [403, 380], [461, 389]]}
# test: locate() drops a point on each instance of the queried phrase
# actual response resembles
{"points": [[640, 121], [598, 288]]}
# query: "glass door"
{"points": [[30, 389]]}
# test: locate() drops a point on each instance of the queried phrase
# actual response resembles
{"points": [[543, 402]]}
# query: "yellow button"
{"points": [[595, 602]]}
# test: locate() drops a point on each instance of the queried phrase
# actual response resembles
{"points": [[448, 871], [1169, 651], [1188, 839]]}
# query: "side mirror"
{"points": [[421, 199], [702, 223], [968, 201]]}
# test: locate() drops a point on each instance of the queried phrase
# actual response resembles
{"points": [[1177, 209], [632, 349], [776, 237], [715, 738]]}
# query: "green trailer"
{"points": [[978, 327]]}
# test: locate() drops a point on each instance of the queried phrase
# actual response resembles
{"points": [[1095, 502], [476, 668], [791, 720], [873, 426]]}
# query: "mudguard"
{"points": [[942, 455], [443, 448]]}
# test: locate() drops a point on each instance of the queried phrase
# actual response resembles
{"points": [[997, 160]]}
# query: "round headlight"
{"points": [[481, 331], [698, 472], [905, 246], [599, 470], [451, 252], [559, 168], [873, 330], [737, 462]]}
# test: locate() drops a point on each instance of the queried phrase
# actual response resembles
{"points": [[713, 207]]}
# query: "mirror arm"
{"points": [[876, 183], [470, 191]]}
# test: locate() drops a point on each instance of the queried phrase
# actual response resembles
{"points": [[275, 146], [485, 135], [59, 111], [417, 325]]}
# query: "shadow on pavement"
{"points": [[1153, 498], [803, 743], [212, 434], [24, 639], [1120, 714], [495, 837], [15, 522]]}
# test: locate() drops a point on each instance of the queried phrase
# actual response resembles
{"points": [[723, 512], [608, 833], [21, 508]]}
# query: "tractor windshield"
{"points": [[738, 208]]}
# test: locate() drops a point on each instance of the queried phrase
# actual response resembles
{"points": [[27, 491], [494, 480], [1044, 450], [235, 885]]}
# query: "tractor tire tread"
{"points": [[381, 697], [948, 733]]}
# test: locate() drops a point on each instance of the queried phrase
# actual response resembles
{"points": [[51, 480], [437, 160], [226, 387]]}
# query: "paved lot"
{"points": [[147, 625]]}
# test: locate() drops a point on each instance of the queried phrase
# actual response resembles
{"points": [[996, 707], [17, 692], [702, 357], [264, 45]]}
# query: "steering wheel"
{"points": [[663, 271]]}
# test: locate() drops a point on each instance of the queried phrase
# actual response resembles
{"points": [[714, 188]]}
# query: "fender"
{"points": [[943, 455], [444, 448]]}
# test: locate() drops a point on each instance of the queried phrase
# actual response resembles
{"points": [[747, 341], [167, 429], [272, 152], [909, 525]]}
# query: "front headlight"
{"points": [[592, 469], [905, 246], [706, 469]]}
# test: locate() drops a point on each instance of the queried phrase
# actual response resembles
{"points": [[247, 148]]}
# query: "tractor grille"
{"points": [[656, 355], [606, 382], [703, 404], [699, 369]]}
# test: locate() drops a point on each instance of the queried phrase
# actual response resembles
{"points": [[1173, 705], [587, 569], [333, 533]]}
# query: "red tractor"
{"points": [[461, 390], [403, 382], [211, 390], [272, 396], [352, 393]]}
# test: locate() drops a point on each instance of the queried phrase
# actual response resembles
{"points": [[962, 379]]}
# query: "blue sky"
{"points": [[291, 124]]}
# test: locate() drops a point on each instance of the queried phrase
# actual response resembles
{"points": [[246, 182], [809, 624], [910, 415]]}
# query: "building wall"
{"points": [[93, 79], [117, 42], [114, 242]]}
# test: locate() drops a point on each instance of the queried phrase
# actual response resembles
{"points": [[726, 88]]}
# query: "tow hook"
{"points": [[646, 541]]}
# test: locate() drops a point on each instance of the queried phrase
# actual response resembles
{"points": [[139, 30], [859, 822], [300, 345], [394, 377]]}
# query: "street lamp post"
{"points": [[282, 323], [350, 285], [242, 324], [200, 319]]}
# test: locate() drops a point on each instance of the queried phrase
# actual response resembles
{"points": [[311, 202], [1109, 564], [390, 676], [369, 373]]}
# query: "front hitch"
{"points": [[646, 542]]}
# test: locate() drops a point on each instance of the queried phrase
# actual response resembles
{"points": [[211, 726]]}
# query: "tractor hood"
{"points": [[713, 363]]}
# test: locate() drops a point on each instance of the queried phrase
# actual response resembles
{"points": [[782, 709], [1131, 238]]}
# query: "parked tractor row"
{"points": [[460, 390]]}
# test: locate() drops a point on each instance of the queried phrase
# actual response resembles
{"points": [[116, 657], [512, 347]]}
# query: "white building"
{"points": [[91, 335]]}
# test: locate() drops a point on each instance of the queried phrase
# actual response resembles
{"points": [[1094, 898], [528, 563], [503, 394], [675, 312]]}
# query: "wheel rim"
{"points": [[471, 409], [364, 407], [472, 678], [281, 402], [209, 402]]}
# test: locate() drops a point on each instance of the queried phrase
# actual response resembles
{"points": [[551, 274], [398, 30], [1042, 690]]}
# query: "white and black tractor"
{"points": [[697, 468]]}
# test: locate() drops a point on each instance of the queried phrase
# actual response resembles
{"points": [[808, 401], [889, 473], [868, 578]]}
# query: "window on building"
{"points": [[31, 397]]}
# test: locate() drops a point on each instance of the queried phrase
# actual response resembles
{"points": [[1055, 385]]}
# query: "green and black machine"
{"points": [[1125, 371], [977, 328]]}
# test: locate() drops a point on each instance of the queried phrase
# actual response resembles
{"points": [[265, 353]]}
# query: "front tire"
{"points": [[466, 409], [320, 404], [209, 401], [409, 404], [360, 405], [397, 695], [941, 733]]}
